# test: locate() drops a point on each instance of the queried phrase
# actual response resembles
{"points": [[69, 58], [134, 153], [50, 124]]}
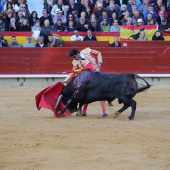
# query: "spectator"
{"points": [[163, 26], [129, 6], [117, 6], [33, 18], [17, 6], [98, 4], [24, 26], [70, 17], [163, 9], [5, 4], [49, 6], [104, 16], [158, 36], [93, 16], [111, 10], [140, 22], [28, 43], [76, 36], [89, 36], [9, 8], [135, 17], [125, 17], [53, 42], [44, 17], [70, 27], [150, 11], [114, 17], [115, 27], [93, 26], [99, 10], [73, 6], [121, 14], [148, 19], [83, 15], [157, 6], [142, 36], [66, 11], [129, 21], [59, 5], [19, 18], [46, 29], [3, 42], [59, 26], [105, 27], [116, 42], [2, 24], [40, 42], [82, 25], [144, 7], [24, 10], [160, 17], [59, 16], [83, 5], [152, 22], [12, 26], [75, 13], [14, 42], [88, 12], [7, 19], [36, 27]]}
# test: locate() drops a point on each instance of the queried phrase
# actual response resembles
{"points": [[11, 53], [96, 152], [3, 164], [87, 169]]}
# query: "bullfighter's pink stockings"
{"points": [[102, 103]]}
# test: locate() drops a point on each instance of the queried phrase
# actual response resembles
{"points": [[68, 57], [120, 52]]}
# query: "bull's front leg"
{"points": [[79, 110], [65, 107]]}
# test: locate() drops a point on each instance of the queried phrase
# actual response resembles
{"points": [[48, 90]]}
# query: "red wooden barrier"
{"points": [[86, 44], [138, 59]]}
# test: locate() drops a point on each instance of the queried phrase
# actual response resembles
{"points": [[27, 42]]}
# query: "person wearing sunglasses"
{"points": [[76, 36]]}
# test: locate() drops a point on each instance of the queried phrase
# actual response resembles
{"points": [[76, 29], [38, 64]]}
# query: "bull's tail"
{"points": [[144, 87]]}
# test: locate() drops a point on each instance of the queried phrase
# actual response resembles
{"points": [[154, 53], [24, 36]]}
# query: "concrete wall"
{"points": [[44, 81]]}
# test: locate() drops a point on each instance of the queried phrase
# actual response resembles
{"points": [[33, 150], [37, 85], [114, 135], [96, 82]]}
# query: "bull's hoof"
{"points": [[130, 118], [79, 113], [116, 115]]}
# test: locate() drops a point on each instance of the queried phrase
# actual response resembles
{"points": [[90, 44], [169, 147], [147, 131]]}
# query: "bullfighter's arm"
{"points": [[71, 75], [99, 57]]}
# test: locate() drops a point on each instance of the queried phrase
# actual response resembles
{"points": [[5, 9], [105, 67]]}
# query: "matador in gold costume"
{"points": [[87, 59]]}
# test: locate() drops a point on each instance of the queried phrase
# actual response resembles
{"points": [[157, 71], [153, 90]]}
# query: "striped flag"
{"points": [[130, 31]]}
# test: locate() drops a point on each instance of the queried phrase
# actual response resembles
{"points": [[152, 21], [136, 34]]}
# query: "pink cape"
{"points": [[47, 98]]}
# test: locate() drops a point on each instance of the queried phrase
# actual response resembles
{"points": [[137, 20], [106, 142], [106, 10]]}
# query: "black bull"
{"points": [[91, 86]]}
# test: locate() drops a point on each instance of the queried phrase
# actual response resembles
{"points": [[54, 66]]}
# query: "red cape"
{"points": [[47, 98]]}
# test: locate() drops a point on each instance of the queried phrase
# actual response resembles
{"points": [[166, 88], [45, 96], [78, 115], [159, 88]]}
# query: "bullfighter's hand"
{"points": [[99, 65]]}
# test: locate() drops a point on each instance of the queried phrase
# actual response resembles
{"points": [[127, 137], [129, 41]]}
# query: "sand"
{"points": [[35, 140]]}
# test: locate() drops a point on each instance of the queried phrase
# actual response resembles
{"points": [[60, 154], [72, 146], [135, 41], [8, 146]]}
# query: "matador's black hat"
{"points": [[73, 52]]}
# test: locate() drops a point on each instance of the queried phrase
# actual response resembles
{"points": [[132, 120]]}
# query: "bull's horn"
{"points": [[58, 101]]}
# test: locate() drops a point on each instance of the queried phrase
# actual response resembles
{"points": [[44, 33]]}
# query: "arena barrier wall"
{"points": [[136, 57]]}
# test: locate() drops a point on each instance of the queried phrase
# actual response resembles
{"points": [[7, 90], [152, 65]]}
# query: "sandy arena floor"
{"points": [[35, 140]]}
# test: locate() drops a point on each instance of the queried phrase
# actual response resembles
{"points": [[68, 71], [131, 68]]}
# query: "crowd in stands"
{"points": [[77, 15]]}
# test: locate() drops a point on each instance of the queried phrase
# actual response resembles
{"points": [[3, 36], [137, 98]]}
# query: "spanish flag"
{"points": [[131, 32]]}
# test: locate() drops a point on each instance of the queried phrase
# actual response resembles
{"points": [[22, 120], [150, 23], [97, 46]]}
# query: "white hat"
{"points": [[140, 20], [58, 11]]}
